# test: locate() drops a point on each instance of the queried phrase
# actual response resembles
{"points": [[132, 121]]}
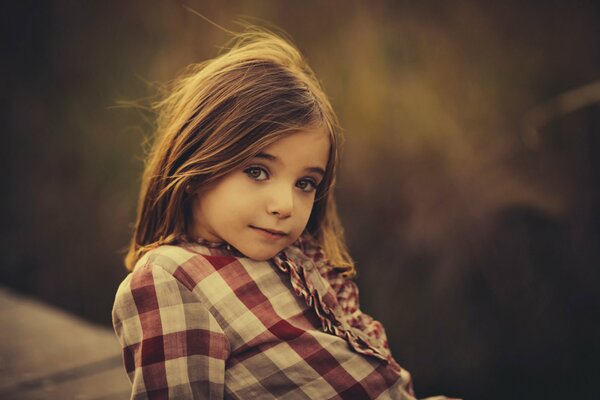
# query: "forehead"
{"points": [[305, 147]]}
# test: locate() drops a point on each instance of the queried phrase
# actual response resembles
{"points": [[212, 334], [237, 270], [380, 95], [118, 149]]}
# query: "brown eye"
{"points": [[307, 185], [256, 173]]}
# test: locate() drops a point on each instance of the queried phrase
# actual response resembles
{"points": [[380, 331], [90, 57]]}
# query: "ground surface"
{"points": [[46, 353]]}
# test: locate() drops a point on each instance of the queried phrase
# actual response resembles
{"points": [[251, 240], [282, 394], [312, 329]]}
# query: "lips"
{"points": [[271, 231]]}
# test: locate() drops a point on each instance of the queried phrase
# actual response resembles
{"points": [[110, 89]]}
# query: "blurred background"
{"points": [[469, 186]]}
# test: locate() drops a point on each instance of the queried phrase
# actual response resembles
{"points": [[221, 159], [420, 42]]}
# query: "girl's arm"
{"points": [[172, 345]]}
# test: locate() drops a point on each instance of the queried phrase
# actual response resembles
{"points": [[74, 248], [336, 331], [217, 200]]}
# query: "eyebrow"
{"points": [[273, 158]]}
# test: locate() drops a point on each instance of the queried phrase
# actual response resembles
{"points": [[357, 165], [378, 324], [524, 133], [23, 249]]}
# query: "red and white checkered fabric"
{"points": [[202, 322]]}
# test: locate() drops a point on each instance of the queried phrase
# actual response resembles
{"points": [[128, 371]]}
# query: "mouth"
{"points": [[271, 232]]}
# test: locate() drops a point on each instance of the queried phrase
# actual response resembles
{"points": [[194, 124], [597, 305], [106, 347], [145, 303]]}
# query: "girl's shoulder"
{"points": [[188, 263], [176, 256], [173, 268]]}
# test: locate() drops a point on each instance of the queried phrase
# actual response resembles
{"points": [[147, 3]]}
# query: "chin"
{"points": [[260, 255]]}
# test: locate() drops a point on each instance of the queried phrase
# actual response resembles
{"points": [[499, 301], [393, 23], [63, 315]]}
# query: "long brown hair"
{"points": [[217, 116]]}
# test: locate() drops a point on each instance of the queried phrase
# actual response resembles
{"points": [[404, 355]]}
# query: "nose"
{"points": [[281, 201]]}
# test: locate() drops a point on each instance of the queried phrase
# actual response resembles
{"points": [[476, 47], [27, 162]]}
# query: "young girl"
{"points": [[241, 283]]}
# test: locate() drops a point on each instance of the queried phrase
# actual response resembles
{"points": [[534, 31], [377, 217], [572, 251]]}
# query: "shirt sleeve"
{"points": [[173, 347]]}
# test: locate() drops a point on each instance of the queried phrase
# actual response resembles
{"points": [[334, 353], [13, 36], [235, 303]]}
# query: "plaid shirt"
{"points": [[200, 322]]}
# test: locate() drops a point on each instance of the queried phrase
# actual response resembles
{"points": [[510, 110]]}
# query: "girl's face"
{"points": [[274, 192]]}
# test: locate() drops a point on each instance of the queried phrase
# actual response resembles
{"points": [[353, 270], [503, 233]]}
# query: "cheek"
{"points": [[232, 209], [306, 206], [217, 206], [229, 196]]}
